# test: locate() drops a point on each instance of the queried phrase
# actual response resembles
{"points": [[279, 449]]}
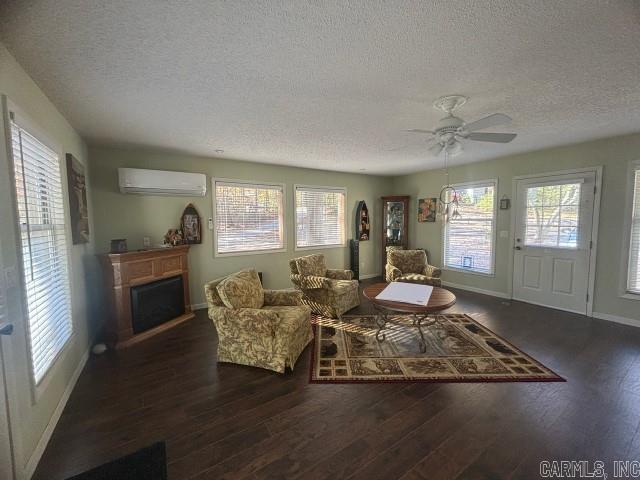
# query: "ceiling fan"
{"points": [[452, 129]]}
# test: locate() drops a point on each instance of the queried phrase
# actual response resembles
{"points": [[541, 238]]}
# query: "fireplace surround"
{"points": [[147, 293]]}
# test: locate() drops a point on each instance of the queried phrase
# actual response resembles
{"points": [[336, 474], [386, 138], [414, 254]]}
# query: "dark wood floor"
{"points": [[227, 421]]}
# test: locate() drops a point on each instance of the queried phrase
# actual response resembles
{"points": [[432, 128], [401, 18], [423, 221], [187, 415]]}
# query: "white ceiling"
{"points": [[330, 84]]}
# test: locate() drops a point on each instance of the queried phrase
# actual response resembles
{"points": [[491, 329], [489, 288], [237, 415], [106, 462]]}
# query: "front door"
{"points": [[553, 231]]}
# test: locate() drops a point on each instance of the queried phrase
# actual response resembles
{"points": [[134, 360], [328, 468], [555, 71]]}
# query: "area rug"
{"points": [[458, 349], [149, 463]]}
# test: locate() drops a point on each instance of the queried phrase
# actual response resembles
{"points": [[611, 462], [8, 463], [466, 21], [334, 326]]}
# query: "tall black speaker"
{"points": [[355, 258]]}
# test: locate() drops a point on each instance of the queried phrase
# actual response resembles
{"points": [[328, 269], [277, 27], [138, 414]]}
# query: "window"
{"points": [[553, 213], [320, 217], [469, 239], [40, 212], [633, 274], [249, 217]]}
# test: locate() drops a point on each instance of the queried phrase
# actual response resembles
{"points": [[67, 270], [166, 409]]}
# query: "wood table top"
{"points": [[440, 299]]}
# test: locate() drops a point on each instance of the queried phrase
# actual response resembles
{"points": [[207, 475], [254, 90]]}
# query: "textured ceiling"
{"points": [[330, 84]]}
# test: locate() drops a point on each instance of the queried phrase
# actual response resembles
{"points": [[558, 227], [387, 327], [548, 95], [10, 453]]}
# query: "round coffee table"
{"points": [[440, 299]]}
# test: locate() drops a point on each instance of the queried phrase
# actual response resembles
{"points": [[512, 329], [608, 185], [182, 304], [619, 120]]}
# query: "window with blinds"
{"points": [[633, 276], [249, 217], [469, 239], [320, 217], [41, 220]]}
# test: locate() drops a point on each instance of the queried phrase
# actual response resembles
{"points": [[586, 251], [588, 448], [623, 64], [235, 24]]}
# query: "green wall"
{"points": [[135, 216], [613, 154], [31, 418]]}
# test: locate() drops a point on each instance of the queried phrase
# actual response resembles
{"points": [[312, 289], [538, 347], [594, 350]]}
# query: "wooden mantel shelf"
{"points": [[122, 271]]}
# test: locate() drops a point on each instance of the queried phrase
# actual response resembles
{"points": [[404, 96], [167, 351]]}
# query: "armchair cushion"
{"points": [[241, 290], [312, 265], [282, 297], [338, 274], [408, 261]]}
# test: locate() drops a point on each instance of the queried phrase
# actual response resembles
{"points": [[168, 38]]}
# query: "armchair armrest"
{"points": [[310, 282], [282, 297], [431, 271], [338, 274], [392, 273], [230, 321]]}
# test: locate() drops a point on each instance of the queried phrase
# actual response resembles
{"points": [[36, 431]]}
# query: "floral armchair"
{"points": [[411, 266], [261, 328], [329, 292]]}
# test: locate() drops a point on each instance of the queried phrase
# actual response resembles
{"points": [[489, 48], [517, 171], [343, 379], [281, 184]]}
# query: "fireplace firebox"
{"points": [[148, 293], [156, 303]]}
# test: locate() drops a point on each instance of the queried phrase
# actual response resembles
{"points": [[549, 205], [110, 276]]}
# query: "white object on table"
{"points": [[413, 293]]}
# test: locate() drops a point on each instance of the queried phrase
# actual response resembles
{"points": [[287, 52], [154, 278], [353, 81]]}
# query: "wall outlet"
{"points": [[210, 223]]}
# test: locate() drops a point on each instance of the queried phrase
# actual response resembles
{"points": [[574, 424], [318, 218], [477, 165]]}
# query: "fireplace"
{"points": [[156, 303], [148, 293]]}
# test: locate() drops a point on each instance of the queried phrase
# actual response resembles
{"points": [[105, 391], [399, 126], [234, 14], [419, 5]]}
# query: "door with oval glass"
{"points": [[553, 240]]}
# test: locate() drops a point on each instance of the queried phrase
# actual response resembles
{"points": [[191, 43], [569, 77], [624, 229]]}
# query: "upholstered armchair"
{"points": [[261, 328], [329, 292], [411, 266]]}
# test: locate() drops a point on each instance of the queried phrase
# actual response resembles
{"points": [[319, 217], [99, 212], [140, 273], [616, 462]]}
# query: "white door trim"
{"points": [[594, 227]]}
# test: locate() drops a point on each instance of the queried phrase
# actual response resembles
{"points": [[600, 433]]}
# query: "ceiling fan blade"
{"points": [[492, 137], [488, 121], [422, 143], [417, 130], [436, 149]]}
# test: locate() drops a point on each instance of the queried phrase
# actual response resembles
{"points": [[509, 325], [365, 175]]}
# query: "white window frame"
{"points": [[626, 242], [12, 112], [248, 183], [322, 188], [479, 183]]}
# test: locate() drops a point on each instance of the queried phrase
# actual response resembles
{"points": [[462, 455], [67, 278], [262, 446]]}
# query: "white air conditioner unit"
{"points": [[161, 182]]}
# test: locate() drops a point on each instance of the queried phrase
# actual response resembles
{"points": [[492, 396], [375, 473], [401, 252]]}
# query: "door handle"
{"points": [[6, 328], [518, 247]]}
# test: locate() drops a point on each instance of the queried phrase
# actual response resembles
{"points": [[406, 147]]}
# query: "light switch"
{"points": [[504, 233], [210, 224]]}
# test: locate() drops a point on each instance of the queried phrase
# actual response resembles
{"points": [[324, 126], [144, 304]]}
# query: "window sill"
{"points": [[248, 252], [470, 272], [321, 247], [630, 296]]}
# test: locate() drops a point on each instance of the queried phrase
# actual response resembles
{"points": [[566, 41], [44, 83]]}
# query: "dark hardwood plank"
{"points": [[230, 421]]}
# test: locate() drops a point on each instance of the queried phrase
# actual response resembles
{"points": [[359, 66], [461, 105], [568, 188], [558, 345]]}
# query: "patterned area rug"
{"points": [[458, 349]]}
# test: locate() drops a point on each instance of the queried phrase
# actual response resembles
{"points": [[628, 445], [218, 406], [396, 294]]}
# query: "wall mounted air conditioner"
{"points": [[161, 182]]}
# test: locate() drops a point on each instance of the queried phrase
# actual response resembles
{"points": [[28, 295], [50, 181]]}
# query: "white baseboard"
{"points": [[477, 290], [198, 306], [617, 319], [370, 275], [30, 468]]}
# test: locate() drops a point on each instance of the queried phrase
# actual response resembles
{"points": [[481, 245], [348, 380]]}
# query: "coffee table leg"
{"points": [[417, 321]]}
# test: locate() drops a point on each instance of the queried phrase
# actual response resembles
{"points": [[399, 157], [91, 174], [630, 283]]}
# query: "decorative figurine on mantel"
{"points": [[173, 237]]}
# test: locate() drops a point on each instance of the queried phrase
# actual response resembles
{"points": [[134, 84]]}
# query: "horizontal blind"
{"points": [[249, 217], [319, 217], [468, 240], [633, 278], [44, 248]]}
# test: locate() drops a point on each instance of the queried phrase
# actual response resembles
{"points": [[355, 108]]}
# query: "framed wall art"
{"points": [[427, 209], [191, 225], [77, 200]]}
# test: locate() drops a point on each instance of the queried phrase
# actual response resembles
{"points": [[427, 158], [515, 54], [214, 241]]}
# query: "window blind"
{"points": [[469, 240], [633, 277], [41, 220], [249, 217], [319, 217]]}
